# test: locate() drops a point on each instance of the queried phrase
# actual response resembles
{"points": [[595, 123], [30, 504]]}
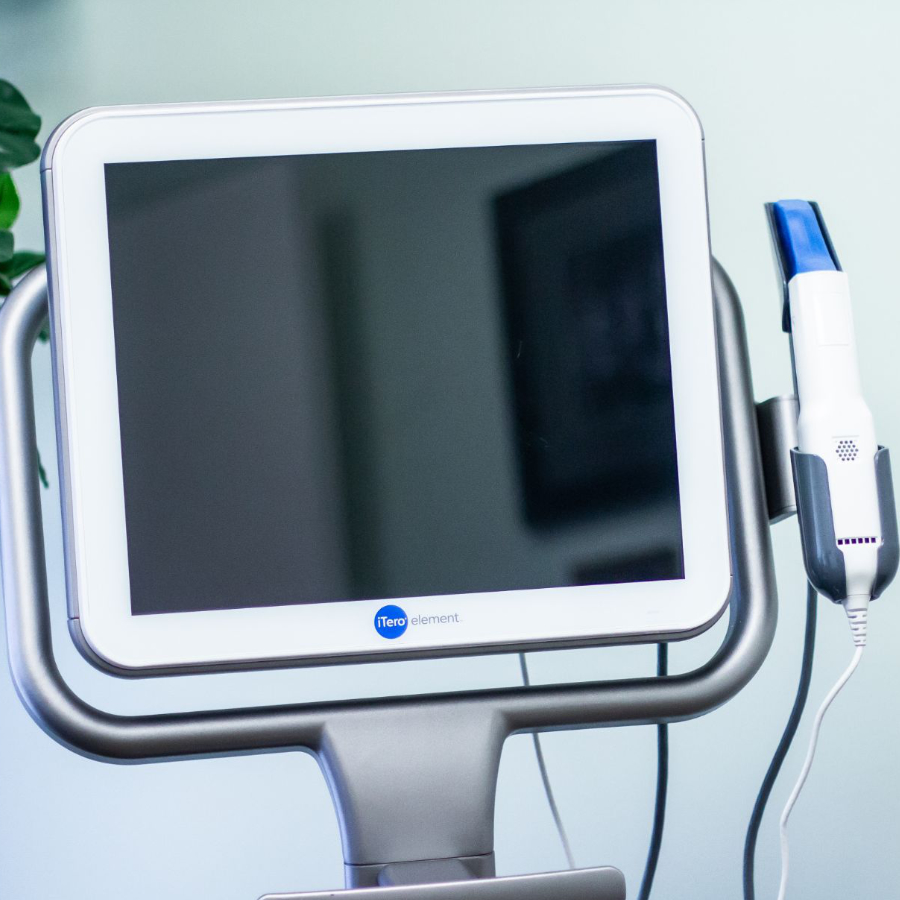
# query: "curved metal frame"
{"points": [[388, 818]]}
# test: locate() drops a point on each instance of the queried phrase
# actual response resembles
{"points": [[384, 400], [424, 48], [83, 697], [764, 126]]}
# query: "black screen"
{"points": [[392, 374]]}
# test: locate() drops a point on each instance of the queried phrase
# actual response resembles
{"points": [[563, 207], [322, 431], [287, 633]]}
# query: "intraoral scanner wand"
{"points": [[837, 455]]}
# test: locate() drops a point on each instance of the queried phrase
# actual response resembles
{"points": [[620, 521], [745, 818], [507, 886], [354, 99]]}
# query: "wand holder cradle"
{"points": [[415, 824]]}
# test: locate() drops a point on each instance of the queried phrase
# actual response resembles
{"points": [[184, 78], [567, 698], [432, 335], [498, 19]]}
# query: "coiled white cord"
{"points": [[857, 613]]}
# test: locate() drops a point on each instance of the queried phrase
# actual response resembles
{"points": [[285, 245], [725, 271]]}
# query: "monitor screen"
{"points": [[392, 374]]}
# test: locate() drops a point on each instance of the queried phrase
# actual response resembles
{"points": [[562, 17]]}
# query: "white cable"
{"points": [[857, 619], [545, 778]]}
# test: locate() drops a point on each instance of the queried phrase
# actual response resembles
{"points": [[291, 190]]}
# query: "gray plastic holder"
{"points": [[823, 558], [398, 801]]}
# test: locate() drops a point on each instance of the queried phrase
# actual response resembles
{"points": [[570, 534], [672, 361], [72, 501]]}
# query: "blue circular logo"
{"points": [[391, 621]]}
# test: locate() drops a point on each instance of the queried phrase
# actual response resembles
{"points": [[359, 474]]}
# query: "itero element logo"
{"points": [[391, 621]]}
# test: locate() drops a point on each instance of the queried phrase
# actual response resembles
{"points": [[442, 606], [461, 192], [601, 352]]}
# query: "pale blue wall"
{"points": [[797, 99]]}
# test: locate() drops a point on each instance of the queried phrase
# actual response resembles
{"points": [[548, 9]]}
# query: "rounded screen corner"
{"points": [[100, 659], [672, 97], [721, 602], [67, 129], [706, 617]]}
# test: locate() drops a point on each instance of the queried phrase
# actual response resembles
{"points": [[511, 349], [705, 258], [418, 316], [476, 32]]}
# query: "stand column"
{"points": [[415, 790]]}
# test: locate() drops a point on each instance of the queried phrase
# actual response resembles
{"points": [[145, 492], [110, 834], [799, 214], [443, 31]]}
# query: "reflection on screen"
{"points": [[392, 374]]}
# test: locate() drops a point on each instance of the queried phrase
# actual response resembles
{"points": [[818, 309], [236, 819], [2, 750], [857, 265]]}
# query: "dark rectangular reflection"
{"points": [[584, 282]]}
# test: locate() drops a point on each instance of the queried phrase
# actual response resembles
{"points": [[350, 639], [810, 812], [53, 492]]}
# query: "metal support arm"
{"points": [[388, 818]]}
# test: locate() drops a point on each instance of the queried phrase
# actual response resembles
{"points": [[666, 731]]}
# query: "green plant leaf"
{"points": [[6, 246], [19, 126], [18, 264], [9, 201], [21, 262]]}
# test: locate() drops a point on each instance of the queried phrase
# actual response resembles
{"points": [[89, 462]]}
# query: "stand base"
{"points": [[605, 883], [423, 871]]}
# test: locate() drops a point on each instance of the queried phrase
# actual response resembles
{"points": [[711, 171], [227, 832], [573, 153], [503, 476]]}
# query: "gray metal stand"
{"points": [[408, 815]]}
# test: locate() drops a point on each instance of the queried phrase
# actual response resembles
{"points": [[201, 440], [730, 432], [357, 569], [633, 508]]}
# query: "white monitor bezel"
{"points": [[87, 401]]}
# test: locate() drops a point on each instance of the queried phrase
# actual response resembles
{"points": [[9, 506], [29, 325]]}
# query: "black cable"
{"points": [[762, 798], [662, 783], [662, 786]]}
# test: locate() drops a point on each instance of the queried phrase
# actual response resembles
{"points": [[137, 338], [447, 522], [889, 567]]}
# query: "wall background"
{"points": [[797, 99]]}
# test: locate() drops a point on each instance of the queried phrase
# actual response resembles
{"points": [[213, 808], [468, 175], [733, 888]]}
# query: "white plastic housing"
{"points": [[86, 374], [835, 422]]}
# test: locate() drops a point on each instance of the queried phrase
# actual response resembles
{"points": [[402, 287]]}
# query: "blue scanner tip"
{"points": [[801, 243]]}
